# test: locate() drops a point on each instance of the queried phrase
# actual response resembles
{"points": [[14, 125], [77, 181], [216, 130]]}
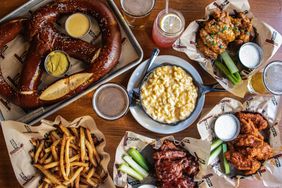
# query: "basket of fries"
{"points": [[58, 154]]}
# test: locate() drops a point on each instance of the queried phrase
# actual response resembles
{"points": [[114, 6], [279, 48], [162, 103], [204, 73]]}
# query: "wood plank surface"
{"points": [[268, 11]]}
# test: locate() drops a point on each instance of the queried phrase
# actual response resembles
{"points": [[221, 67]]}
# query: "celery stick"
{"points": [[138, 158], [226, 72], [229, 62], [225, 162], [135, 166], [214, 154], [237, 76], [126, 169], [216, 143]]}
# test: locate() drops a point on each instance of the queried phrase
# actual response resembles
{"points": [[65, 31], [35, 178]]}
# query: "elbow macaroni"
{"points": [[169, 94]]}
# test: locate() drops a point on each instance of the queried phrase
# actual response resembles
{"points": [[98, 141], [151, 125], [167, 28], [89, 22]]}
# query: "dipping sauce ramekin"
{"points": [[227, 127], [110, 101], [250, 55], [57, 63]]}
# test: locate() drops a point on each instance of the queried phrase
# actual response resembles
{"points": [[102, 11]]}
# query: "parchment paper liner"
{"points": [[17, 137], [268, 39], [13, 55], [198, 148], [271, 170]]}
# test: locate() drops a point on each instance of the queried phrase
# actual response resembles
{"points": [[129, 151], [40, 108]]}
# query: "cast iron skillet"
{"points": [[202, 90]]}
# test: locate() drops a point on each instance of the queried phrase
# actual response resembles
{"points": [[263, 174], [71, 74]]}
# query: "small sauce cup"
{"points": [[78, 25], [110, 101], [57, 63], [227, 127], [250, 55]]}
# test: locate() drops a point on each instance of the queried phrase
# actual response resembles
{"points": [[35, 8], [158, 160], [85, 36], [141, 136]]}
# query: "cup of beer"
{"points": [[137, 12], [268, 81]]}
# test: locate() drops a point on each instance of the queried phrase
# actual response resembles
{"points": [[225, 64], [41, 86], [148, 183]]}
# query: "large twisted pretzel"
{"points": [[44, 38]]}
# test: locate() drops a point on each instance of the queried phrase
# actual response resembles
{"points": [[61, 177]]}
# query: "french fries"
{"points": [[67, 157]]}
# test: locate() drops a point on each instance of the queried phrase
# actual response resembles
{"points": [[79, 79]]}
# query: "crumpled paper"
{"points": [[271, 170], [198, 148], [268, 39], [18, 135]]}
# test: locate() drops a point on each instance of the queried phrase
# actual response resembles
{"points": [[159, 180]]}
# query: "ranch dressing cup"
{"points": [[250, 55], [227, 127], [110, 101]]}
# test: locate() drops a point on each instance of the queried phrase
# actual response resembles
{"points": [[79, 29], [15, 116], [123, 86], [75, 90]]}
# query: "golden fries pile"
{"points": [[67, 157]]}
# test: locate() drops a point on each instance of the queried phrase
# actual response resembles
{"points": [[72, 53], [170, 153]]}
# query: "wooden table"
{"points": [[268, 11]]}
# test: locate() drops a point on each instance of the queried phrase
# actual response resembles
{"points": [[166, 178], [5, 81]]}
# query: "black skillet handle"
{"points": [[210, 88]]}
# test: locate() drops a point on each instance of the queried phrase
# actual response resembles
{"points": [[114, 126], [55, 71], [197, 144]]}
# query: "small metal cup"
{"points": [[105, 116], [237, 130], [89, 20], [258, 49], [45, 64]]}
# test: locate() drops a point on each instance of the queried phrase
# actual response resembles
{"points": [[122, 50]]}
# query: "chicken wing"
{"points": [[242, 162], [205, 50], [214, 42], [259, 121], [261, 153], [248, 127], [216, 33], [248, 140]]}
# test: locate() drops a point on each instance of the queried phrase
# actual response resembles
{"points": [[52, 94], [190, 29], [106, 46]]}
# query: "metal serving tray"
{"points": [[32, 117]]}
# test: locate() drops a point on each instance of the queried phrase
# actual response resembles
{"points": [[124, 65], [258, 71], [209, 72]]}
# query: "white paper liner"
{"points": [[18, 135], [198, 148], [268, 39], [271, 171], [13, 54]]}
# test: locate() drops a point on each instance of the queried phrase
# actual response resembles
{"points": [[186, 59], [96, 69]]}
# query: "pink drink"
{"points": [[167, 28]]}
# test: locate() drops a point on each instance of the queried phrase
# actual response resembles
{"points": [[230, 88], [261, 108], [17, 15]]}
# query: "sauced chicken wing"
{"points": [[174, 166], [242, 27], [220, 30], [205, 50], [214, 42]]}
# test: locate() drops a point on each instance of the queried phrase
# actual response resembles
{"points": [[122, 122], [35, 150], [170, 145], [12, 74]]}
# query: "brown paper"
{"points": [[271, 170], [268, 39], [18, 135]]}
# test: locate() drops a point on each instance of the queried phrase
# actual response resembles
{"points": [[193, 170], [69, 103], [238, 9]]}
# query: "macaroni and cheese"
{"points": [[169, 94]]}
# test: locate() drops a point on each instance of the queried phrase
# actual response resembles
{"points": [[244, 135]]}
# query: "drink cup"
{"points": [[137, 12]]}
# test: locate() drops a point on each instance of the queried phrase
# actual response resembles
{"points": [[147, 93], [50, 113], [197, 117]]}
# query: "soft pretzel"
{"points": [[44, 38]]}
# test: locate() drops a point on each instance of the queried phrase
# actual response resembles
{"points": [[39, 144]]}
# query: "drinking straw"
{"points": [[166, 6]]}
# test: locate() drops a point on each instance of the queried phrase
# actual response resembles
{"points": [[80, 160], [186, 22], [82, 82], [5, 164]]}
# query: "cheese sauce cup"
{"points": [[78, 25]]}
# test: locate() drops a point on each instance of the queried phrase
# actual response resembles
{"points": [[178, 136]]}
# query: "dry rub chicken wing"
{"points": [[248, 140], [259, 121], [261, 153], [248, 127], [242, 162]]}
